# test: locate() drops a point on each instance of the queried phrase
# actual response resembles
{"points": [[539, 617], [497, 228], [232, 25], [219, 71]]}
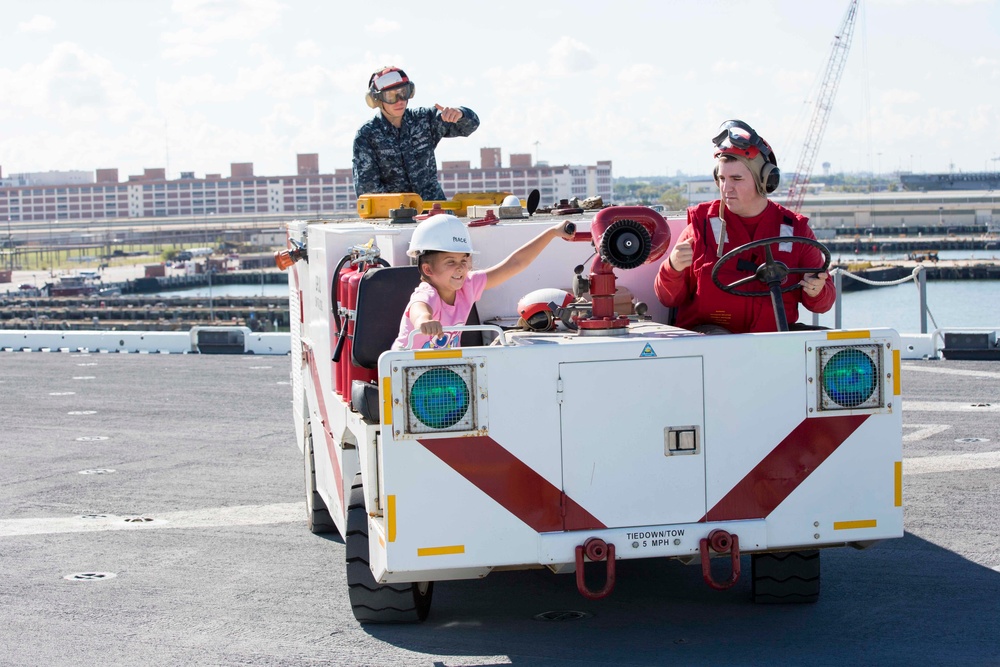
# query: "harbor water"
{"points": [[950, 303]]}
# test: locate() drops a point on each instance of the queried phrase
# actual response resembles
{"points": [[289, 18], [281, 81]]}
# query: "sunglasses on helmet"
{"points": [[394, 95]]}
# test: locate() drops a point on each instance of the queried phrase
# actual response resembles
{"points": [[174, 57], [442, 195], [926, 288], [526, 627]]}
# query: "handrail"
{"points": [[468, 327], [918, 275]]}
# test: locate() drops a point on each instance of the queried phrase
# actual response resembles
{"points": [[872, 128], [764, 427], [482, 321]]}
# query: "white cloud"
{"points": [[898, 97], [568, 56], [209, 23], [728, 66], [70, 86], [308, 49], [640, 75], [382, 26], [38, 23]]}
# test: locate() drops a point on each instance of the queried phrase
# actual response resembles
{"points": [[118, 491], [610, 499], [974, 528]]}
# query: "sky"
{"points": [[195, 85]]}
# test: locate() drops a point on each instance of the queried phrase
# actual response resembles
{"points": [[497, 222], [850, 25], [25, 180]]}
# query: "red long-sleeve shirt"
{"points": [[698, 300]]}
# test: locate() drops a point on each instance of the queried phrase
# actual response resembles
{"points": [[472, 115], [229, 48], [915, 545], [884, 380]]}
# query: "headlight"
{"points": [[443, 398], [438, 398], [850, 377]]}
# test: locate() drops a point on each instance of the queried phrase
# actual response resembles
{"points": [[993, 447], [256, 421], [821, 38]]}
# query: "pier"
{"points": [[896, 244], [143, 313], [166, 283]]}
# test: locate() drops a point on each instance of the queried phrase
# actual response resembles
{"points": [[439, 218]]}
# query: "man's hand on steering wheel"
{"points": [[813, 283]]}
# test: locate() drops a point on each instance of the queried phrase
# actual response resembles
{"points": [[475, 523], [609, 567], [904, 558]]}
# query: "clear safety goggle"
{"points": [[394, 95], [734, 135]]}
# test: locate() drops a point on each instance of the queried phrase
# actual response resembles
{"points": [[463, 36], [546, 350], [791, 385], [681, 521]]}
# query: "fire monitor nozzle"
{"points": [[629, 236]]}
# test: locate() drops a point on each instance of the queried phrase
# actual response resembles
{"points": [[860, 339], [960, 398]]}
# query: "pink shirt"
{"points": [[448, 315]]}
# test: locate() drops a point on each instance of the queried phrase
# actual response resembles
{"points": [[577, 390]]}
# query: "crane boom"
{"points": [[824, 103]]}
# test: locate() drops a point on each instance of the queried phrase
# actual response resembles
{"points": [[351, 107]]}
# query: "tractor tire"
{"points": [[788, 577], [318, 517], [371, 601]]}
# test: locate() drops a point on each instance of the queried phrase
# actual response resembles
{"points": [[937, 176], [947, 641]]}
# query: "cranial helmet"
{"points": [[442, 232], [386, 79], [739, 140]]}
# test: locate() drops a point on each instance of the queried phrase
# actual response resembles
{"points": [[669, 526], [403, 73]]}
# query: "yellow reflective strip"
{"points": [[898, 495], [441, 551], [437, 354], [387, 400], [390, 510], [841, 335], [896, 384], [847, 525]]}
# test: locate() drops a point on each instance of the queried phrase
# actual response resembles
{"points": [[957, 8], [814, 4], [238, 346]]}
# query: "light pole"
{"points": [[10, 247], [211, 307]]}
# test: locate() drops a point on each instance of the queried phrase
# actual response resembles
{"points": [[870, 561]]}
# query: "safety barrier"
{"points": [[242, 341]]}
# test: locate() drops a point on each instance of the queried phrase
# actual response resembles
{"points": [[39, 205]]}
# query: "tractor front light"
{"points": [[447, 398], [439, 398], [850, 377]]}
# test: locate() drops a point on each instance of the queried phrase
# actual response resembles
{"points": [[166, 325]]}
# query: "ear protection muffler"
{"points": [[769, 175]]}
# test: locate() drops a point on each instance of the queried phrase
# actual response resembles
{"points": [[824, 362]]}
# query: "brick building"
{"points": [[38, 197]]}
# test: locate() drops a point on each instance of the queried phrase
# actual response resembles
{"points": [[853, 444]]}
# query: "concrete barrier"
{"points": [[135, 342]]}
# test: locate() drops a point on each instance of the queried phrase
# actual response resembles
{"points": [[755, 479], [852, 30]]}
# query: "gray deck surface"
{"points": [[218, 568]]}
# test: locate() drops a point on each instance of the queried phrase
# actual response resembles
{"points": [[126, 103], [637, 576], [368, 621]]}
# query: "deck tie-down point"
{"points": [[596, 550], [720, 542]]}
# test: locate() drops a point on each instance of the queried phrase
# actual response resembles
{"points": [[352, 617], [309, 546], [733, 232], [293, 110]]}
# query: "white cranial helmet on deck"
{"points": [[442, 232]]}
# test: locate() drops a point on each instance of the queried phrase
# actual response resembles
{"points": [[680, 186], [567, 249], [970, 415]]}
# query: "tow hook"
{"points": [[720, 542], [596, 550]]}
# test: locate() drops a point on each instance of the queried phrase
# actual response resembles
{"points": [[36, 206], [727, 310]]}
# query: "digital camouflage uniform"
{"points": [[387, 159]]}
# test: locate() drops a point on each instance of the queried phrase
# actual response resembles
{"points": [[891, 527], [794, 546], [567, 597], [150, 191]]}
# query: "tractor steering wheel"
{"points": [[772, 272]]}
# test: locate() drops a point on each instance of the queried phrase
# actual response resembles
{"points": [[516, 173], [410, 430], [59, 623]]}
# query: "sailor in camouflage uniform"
{"points": [[394, 152]]}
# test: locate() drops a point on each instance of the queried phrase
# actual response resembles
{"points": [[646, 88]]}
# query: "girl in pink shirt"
{"points": [[449, 287]]}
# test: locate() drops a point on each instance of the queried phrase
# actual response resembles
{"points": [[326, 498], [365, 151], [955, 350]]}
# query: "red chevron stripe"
{"points": [[781, 471], [325, 424], [507, 480]]}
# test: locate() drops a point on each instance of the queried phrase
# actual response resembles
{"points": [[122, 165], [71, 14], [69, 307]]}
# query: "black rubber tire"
{"points": [[371, 601], [318, 517], [788, 577]]}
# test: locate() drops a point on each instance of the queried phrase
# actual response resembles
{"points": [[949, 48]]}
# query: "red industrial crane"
{"points": [[824, 103]]}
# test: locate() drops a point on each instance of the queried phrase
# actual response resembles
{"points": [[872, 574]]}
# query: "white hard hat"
{"points": [[442, 232]]}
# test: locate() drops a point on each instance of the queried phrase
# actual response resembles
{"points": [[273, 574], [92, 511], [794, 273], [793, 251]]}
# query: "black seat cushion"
{"points": [[382, 297]]}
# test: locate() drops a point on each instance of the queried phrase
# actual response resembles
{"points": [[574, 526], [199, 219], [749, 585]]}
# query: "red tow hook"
{"points": [[596, 550], [720, 542]]}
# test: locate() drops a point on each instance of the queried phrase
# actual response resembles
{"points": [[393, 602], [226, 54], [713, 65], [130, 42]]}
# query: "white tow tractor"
{"points": [[596, 433]]}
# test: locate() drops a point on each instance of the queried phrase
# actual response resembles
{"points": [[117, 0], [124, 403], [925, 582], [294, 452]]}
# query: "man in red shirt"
{"points": [[746, 171]]}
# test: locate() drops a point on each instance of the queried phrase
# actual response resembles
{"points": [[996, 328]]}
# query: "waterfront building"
{"points": [[943, 212], [521, 176], [44, 197], [983, 180]]}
